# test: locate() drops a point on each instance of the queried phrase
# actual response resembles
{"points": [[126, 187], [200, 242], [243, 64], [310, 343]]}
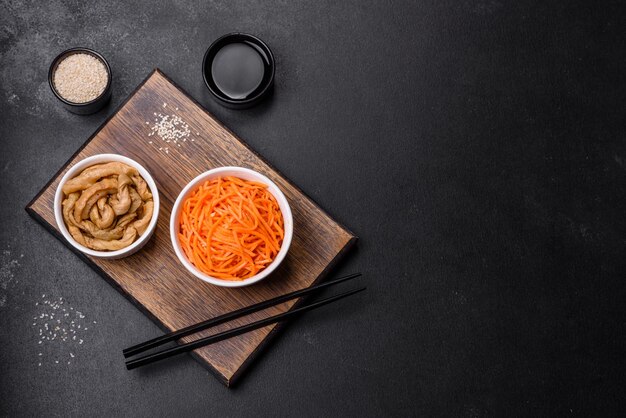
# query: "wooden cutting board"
{"points": [[153, 278]]}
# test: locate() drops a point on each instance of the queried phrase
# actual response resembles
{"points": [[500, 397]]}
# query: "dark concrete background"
{"points": [[477, 148]]}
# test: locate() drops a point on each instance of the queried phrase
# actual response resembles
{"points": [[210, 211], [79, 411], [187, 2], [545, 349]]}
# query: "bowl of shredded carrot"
{"points": [[231, 226]]}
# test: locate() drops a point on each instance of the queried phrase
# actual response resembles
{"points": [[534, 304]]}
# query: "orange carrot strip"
{"points": [[231, 228]]}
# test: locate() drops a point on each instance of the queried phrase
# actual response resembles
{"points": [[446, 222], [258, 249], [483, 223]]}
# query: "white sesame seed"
{"points": [[80, 78]]}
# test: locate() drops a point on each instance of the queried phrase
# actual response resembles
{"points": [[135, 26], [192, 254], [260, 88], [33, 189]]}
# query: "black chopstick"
{"points": [[169, 352], [192, 329]]}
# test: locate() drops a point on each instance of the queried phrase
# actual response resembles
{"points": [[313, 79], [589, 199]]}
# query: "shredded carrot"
{"points": [[231, 228]]}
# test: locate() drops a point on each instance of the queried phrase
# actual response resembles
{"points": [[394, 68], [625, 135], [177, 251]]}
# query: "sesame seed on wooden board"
{"points": [[170, 129]]}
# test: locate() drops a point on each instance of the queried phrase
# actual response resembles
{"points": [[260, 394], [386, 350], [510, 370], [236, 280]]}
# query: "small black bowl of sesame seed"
{"points": [[81, 79]]}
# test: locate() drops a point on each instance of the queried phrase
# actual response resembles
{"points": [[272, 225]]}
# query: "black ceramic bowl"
{"points": [[251, 68], [87, 107]]}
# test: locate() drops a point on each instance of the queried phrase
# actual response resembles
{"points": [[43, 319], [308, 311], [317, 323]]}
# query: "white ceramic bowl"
{"points": [[73, 172], [246, 174]]}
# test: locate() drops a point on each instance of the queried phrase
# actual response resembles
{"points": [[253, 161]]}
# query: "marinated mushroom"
{"points": [[102, 214], [107, 206]]}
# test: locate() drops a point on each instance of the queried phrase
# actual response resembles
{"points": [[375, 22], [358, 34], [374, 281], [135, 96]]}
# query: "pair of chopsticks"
{"points": [[192, 329]]}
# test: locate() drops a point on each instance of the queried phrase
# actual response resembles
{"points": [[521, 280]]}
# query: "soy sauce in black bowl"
{"points": [[238, 69]]}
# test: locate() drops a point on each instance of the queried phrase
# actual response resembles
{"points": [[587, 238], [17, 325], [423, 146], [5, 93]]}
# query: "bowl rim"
{"points": [[88, 162], [285, 210], [78, 50], [258, 42]]}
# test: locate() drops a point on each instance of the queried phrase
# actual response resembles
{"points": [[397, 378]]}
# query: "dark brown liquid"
{"points": [[238, 70]]}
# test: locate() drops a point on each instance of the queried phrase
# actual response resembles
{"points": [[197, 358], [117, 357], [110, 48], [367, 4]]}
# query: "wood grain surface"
{"points": [[153, 278]]}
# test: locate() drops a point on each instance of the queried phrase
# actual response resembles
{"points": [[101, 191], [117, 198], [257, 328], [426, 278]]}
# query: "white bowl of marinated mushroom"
{"points": [[107, 206]]}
